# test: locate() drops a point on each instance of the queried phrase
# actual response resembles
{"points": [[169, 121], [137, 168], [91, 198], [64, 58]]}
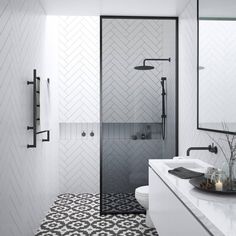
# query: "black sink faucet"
{"points": [[211, 148]]}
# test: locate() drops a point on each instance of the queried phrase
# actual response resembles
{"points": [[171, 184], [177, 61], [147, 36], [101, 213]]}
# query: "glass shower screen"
{"points": [[132, 105]]}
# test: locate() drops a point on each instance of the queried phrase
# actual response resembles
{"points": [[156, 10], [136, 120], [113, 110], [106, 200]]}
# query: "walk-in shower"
{"points": [[138, 105]]}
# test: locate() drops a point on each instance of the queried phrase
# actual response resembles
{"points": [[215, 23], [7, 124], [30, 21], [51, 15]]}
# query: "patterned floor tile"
{"points": [[78, 215], [120, 203]]}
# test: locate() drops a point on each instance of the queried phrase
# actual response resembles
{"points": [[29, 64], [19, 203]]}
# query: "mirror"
{"points": [[217, 65]]}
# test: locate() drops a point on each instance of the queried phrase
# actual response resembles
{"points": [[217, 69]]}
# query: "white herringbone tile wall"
{"points": [[188, 133], [79, 158], [79, 166], [130, 95], [78, 50], [28, 178], [79, 68]]}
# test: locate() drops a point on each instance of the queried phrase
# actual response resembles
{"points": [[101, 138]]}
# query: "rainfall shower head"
{"points": [[144, 67]]}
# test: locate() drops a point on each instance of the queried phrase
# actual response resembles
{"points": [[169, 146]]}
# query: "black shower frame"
{"points": [[198, 89], [176, 19]]}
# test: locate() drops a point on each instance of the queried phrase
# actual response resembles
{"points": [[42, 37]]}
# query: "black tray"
{"points": [[196, 182]]}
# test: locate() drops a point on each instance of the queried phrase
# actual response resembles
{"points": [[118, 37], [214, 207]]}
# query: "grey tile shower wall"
{"points": [[125, 163], [188, 133], [28, 177], [130, 95], [131, 131], [78, 49]]}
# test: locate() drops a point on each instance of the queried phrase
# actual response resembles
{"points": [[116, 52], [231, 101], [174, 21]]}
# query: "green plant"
{"points": [[230, 159]]}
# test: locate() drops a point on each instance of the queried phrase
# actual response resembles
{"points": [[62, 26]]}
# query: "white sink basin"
{"points": [[189, 165]]}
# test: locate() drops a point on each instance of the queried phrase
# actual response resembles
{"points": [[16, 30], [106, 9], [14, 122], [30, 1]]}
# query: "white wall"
{"points": [[79, 158], [28, 177], [188, 133], [78, 74], [78, 54]]}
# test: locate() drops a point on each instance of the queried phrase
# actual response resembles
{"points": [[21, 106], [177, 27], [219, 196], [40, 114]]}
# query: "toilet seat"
{"points": [[142, 191], [142, 196]]}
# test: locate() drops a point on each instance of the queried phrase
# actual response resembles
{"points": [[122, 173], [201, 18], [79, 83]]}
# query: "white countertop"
{"points": [[215, 211]]}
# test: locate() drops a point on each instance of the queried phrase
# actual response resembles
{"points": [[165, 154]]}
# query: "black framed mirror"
{"points": [[216, 83]]}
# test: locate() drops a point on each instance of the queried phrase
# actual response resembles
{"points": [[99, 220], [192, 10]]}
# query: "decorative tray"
{"points": [[204, 184]]}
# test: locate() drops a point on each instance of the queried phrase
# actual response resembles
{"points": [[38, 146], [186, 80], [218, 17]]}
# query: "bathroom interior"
{"points": [[117, 117]]}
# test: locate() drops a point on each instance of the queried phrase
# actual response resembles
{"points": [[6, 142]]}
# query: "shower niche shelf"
{"points": [[36, 105], [132, 131]]}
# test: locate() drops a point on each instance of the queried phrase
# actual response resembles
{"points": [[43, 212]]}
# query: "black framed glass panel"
{"points": [[138, 104]]}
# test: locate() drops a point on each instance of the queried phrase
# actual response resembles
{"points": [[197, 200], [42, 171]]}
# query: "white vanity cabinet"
{"points": [[169, 215]]}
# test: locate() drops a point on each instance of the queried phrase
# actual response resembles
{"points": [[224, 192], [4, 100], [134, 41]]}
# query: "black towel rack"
{"points": [[35, 118]]}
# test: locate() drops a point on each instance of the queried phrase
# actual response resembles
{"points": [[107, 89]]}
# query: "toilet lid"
{"points": [[144, 190]]}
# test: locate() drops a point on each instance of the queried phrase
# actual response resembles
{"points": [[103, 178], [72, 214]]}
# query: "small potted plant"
{"points": [[230, 159]]}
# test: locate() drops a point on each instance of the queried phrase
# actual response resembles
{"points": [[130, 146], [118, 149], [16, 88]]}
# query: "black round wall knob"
{"points": [[83, 134], [92, 134]]}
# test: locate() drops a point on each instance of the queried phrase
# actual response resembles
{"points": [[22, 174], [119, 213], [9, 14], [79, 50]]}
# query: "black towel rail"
{"points": [[35, 118]]}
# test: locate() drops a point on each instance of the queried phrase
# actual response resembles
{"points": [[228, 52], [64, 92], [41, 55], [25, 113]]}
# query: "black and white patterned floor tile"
{"points": [[120, 203], [78, 215]]}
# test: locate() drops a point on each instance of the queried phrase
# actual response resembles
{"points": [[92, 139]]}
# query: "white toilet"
{"points": [[142, 196]]}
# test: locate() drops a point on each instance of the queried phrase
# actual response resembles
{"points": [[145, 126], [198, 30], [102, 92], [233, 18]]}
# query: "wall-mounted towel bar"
{"points": [[35, 118]]}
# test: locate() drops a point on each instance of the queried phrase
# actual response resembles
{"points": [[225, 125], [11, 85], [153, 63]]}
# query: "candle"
{"points": [[219, 186]]}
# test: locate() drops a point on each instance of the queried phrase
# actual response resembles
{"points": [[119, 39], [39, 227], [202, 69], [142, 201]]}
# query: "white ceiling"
{"points": [[114, 7]]}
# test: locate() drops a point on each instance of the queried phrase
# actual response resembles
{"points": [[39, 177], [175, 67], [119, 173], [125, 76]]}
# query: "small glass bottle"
{"points": [[232, 174]]}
